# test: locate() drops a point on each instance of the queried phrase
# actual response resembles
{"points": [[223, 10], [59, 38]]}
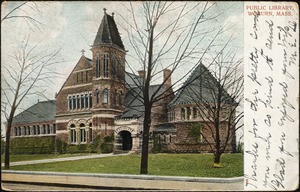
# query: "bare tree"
{"points": [[26, 75], [20, 11], [165, 39], [216, 94]]}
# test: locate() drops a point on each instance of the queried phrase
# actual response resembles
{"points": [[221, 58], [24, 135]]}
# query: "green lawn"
{"points": [[196, 165], [15, 158]]}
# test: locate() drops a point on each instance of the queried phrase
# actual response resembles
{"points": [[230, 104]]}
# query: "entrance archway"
{"points": [[125, 140]]}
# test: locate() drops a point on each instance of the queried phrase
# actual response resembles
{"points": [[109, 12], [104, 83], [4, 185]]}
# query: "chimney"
{"points": [[167, 76], [142, 74]]}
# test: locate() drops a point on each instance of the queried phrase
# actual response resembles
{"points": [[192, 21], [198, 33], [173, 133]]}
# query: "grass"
{"points": [[195, 165], [16, 158]]}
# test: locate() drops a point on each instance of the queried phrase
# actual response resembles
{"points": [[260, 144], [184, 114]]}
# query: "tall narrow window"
{"points": [[82, 133], [91, 132], [97, 64], [97, 96], [74, 102], [182, 113], [86, 101], [28, 130], [91, 100], [72, 134], [82, 102], [105, 96], [34, 130], [113, 66], [78, 102], [105, 64], [54, 128], [38, 129], [70, 103]]}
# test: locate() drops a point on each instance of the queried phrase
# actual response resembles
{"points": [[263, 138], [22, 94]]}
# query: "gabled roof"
{"points": [[39, 112], [132, 80], [133, 104], [198, 88], [108, 32]]}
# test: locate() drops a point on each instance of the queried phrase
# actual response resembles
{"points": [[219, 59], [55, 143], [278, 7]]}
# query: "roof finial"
{"points": [[82, 51], [112, 14], [104, 10]]}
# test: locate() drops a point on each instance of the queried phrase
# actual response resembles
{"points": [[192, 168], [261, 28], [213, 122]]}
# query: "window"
{"points": [[34, 130], [113, 66], [78, 102], [70, 103], [54, 128], [91, 101], [38, 129], [195, 113], [200, 134], [82, 77], [16, 131], [87, 76], [72, 134], [28, 130], [170, 138], [44, 129], [82, 133], [48, 129], [20, 133], [86, 101], [91, 132], [25, 130], [105, 96], [97, 64], [82, 102], [105, 64], [97, 95], [182, 113], [74, 102], [188, 113]]}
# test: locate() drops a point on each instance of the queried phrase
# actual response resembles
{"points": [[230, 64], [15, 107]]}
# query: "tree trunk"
{"points": [[217, 159], [145, 144], [7, 142]]}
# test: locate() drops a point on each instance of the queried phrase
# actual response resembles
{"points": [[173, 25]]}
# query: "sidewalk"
{"points": [[63, 159]]}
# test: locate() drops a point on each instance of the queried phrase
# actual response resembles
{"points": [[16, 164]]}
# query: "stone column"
{"points": [[87, 134]]}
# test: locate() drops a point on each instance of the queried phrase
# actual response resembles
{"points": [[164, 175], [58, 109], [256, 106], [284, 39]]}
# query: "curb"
{"points": [[126, 176]]}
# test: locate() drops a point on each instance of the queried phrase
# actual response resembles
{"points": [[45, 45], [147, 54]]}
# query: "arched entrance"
{"points": [[125, 140]]}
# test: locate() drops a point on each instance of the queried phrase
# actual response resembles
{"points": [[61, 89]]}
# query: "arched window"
{"points": [[105, 96], [74, 102], [106, 64], [97, 94], [38, 131], [91, 100], [72, 133], [82, 102], [82, 133], [28, 130], [34, 130], [70, 103], [86, 101], [97, 64], [16, 131], [113, 66]]}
